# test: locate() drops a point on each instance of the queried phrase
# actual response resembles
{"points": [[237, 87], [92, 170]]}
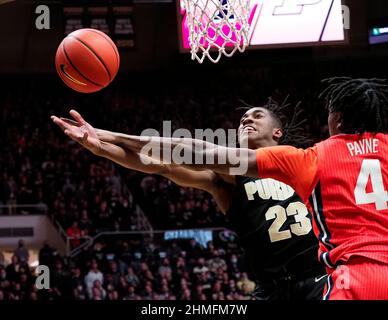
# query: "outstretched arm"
{"points": [[192, 153], [86, 135], [295, 167], [204, 180]]}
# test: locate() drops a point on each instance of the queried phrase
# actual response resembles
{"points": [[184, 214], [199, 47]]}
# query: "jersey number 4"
{"points": [[300, 228], [371, 169]]}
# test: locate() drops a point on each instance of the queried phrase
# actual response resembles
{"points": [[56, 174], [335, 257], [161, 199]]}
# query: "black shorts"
{"points": [[291, 289]]}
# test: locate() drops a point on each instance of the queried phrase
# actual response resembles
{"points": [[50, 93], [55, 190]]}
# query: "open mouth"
{"points": [[248, 129]]}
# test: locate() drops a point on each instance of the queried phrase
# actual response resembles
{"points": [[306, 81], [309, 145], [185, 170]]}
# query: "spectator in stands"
{"points": [[22, 253], [234, 265], [164, 292], [60, 281], [232, 289], [3, 274], [186, 295], [76, 278], [47, 255], [97, 292], [85, 224], [132, 278], [75, 234], [125, 253], [93, 275], [79, 293], [245, 285], [164, 267], [2, 259], [2, 296], [12, 270], [174, 250], [148, 276], [200, 266], [216, 262], [114, 272], [98, 253], [131, 295], [114, 295], [148, 292], [216, 290], [105, 221], [33, 296], [122, 288]]}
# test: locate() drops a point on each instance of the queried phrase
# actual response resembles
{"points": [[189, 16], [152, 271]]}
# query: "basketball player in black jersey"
{"points": [[273, 224]]}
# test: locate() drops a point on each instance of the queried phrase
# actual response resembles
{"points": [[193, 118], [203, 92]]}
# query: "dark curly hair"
{"points": [[292, 126], [362, 102]]}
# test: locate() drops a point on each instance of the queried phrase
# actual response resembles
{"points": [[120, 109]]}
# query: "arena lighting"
{"points": [[379, 31], [378, 35], [34, 264]]}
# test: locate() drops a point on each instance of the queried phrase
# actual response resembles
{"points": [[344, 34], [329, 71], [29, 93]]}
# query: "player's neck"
{"points": [[263, 144]]}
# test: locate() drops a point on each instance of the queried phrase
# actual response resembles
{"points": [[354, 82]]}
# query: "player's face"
{"points": [[257, 129]]}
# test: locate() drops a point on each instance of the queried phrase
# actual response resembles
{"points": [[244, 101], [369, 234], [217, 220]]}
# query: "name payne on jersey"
{"points": [[268, 188], [363, 147], [158, 310]]}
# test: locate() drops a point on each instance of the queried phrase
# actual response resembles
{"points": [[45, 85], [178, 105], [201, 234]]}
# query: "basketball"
{"points": [[87, 60]]}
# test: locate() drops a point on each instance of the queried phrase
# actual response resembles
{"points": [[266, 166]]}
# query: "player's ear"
{"points": [[338, 119], [335, 122], [277, 133]]}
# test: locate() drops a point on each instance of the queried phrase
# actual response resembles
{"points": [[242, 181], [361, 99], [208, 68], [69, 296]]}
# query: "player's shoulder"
{"points": [[287, 153], [340, 144], [279, 149], [345, 138]]}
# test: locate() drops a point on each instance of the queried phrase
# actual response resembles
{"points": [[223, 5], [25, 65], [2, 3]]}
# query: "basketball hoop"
{"points": [[217, 27]]}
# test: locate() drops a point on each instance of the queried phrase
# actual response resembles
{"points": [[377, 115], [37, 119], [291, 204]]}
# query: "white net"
{"points": [[217, 27]]}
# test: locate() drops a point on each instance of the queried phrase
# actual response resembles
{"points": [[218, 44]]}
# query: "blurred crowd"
{"points": [[132, 270], [87, 195]]}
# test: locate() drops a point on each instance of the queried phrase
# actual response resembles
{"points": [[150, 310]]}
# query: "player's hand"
{"points": [[80, 131]]}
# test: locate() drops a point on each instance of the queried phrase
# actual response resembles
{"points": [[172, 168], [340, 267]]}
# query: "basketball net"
{"points": [[217, 27]]}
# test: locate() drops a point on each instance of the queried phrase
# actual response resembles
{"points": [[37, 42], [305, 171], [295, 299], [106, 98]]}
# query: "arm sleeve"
{"points": [[295, 167]]}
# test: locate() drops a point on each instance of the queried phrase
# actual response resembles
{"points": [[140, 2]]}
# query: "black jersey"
{"points": [[274, 228]]}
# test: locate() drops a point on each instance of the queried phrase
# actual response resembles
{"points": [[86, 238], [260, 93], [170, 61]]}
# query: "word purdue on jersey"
{"points": [[275, 230]]}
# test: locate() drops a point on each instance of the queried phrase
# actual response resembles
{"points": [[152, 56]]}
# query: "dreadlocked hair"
{"points": [[292, 127], [362, 102]]}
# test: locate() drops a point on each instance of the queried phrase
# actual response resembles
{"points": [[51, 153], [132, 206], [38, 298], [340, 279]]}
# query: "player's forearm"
{"points": [[192, 153], [106, 136], [130, 159], [138, 145], [143, 144]]}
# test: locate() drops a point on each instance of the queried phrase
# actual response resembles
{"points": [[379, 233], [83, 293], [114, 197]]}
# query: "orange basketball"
{"points": [[87, 60]]}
